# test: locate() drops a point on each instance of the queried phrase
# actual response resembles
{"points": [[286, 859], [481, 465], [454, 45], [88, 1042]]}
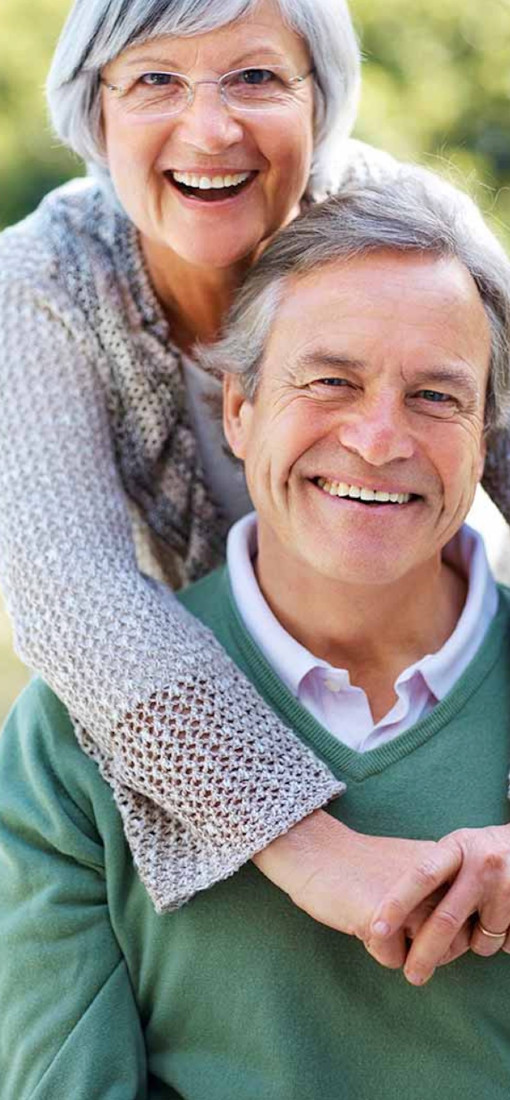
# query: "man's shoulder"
{"points": [[39, 750], [504, 602], [205, 599]]}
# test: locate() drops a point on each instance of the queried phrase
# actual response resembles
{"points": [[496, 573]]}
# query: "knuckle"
{"points": [[428, 874], [494, 862], [394, 910], [485, 950], [445, 921]]}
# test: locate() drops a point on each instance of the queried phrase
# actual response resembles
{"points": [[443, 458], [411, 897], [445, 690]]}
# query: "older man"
{"points": [[368, 357]]}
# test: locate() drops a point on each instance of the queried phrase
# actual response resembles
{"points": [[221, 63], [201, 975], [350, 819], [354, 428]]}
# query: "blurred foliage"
{"points": [[436, 89]]}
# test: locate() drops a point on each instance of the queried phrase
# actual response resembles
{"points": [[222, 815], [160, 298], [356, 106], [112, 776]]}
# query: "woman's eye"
{"points": [[157, 80], [256, 77]]}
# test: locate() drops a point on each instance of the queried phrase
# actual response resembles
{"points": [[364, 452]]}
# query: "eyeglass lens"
{"points": [[244, 89]]}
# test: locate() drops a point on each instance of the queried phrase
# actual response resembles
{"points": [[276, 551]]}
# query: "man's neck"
{"points": [[373, 631]]}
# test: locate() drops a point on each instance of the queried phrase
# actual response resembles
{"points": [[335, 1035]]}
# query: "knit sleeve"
{"points": [[203, 772]]}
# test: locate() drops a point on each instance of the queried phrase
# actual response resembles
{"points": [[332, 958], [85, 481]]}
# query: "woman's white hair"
{"points": [[97, 31]]}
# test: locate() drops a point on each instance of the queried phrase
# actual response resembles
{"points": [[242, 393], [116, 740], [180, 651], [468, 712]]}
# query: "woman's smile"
{"points": [[215, 186]]}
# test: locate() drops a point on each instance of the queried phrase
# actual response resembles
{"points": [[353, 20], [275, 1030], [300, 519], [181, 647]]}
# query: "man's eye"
{"points": [[435, 396], [332, 382]]}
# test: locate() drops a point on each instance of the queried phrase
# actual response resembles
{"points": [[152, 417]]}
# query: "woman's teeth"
{"points": [[355, 492], [206, 183]]}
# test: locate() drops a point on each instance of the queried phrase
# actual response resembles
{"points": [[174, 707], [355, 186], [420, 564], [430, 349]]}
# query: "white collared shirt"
{"points": [[326, 691]]}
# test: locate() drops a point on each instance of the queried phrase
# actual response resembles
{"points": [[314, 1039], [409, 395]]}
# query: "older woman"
{"points": [[208, 126]]}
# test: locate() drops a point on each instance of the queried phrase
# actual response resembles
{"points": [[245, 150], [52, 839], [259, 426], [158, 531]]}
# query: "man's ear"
{"points": [[237, 412], [482, 457]]}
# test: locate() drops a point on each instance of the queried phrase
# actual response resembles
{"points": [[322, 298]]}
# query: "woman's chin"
{"points": [[217, 252]]}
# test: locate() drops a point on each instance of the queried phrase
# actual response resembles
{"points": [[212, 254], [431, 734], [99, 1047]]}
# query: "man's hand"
{"points": [[475, 863], [340, 877]]}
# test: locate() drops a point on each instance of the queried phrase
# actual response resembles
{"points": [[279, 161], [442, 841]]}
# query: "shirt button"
{"points": [[333, 686]]}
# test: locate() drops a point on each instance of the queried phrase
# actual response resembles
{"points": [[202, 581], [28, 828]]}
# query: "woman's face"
{"points": [[221, 226]]}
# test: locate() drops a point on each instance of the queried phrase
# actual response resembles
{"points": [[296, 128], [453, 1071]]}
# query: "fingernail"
{"points": [[416, 979], [380, 928]]}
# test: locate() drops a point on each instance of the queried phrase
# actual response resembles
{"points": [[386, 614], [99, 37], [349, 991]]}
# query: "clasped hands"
{"points": [[415, 904]]}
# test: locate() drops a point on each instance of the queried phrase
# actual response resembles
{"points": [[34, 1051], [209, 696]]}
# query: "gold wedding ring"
{"points": [[491, 935]]}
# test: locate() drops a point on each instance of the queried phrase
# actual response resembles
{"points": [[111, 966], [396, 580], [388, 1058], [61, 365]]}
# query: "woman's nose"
{"points": [[207, 124], [378, 433]]}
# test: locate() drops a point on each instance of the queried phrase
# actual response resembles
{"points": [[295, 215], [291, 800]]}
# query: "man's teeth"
{"points": [[355, 492], [205, 183]]}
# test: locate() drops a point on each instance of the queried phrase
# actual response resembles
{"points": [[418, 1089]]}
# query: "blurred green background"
{"points": [[436, 89]]}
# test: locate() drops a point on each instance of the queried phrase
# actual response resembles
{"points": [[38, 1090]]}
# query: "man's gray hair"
{"points": [[414, 211], [97, 31]]}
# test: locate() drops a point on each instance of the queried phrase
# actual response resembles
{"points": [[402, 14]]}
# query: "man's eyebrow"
{"points": [[458, 377], [323, 358]]}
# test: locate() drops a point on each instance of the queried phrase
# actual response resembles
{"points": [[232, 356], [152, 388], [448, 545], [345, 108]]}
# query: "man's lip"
{"points": [[360, 483]]}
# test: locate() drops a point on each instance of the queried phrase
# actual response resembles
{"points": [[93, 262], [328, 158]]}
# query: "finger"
{"points": [[389, 953], [485, 945], [412, 888], [506, 945], [460, 945], [435, 938], [495, 910]]}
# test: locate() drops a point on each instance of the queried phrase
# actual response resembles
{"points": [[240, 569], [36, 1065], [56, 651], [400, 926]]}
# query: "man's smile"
{"points": [[364, 494]]}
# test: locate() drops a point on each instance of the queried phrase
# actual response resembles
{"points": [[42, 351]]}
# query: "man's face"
{"points": [[374, 379]]}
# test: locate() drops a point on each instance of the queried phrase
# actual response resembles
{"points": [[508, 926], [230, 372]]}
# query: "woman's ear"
{"points": [[237, 412]]}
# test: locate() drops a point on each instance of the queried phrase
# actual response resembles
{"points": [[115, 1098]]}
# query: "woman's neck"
{"points": [[195, 299]]}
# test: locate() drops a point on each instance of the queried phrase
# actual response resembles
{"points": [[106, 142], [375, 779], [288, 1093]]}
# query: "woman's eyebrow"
{"points": [[154, 61], [253, 54]]}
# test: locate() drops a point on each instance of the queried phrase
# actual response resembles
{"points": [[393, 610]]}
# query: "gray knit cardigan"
{"points": [[95, 447]]}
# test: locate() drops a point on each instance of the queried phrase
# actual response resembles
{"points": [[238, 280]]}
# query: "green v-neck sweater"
{"points": [[240, 995]]}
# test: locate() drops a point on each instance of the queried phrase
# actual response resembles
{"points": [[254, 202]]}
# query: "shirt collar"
{"points": [[292, 662]]}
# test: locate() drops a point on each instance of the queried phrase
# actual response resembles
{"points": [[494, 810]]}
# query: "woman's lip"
{"points": [[210, 172], [192, 200]]}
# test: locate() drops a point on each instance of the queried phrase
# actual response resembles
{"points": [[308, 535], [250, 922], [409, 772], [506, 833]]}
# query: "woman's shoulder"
{"points": [[70, 246], [365, 164]]}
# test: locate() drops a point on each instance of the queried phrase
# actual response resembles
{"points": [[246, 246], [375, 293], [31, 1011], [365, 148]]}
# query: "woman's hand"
{"points": [[340, 877], [475, 864]]}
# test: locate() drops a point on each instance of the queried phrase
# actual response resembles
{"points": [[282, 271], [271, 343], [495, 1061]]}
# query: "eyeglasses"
{"points": [[158, 94]]}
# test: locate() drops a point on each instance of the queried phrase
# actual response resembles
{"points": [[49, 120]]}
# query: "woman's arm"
{"points": [[203, 772], [70, 1024]]}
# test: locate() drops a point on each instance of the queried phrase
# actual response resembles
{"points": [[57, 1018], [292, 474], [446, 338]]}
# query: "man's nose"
{"points": [[207, 124], [378, 433]]}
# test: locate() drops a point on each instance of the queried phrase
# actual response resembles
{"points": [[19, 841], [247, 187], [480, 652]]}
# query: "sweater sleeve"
{"points": [[70, 1025], [203, 772]]}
